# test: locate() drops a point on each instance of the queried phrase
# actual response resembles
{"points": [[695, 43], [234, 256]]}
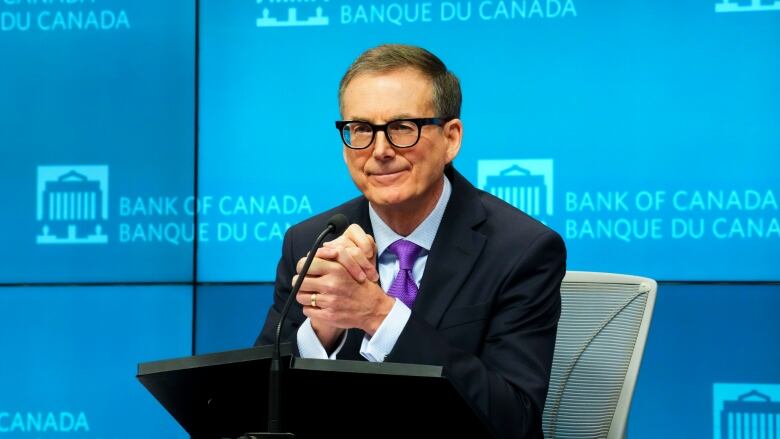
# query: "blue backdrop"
{"points": [[118, 100], [653, 125], [645, 133], [70, 356]]}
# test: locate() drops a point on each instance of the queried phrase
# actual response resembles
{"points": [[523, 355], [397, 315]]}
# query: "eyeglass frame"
{"points": [[419, 121]]}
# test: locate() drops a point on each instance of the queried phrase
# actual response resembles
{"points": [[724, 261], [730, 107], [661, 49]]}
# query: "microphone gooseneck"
{"points": [[336, 225]]}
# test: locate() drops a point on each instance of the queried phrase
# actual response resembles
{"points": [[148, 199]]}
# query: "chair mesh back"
{"points": [[596, 336]]}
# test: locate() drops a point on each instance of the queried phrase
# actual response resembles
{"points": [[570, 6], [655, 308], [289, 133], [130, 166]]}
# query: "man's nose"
{"points": [[383, 150]]}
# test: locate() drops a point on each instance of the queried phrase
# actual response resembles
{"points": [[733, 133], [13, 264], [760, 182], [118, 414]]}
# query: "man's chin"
{"points": [[386, 197]]}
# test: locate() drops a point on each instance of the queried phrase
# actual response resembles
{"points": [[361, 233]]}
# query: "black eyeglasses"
{"points": [[401, 133]]}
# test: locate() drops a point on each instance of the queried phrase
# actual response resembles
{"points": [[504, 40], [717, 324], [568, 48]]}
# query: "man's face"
{"points": [[390, 176]]}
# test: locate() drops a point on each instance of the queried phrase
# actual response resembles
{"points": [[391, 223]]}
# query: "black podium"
{"points": [[224, 395]]}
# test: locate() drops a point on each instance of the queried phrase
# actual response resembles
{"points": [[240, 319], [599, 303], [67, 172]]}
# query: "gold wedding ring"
{"points": [[314, 300]]}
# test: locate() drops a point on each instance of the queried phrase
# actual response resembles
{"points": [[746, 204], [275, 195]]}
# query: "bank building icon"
{"points": [[293, 17], [747, 414], [747, 5], [525, 184], [72, 204]]}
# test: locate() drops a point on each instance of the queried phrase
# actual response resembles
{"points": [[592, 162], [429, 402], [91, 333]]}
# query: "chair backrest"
{"points": [[601, 336]]}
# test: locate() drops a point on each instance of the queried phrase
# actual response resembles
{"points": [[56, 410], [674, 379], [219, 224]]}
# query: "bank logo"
{"points": [[747, 5], [72, 204], [525, 184], [293, 16], [746, 411]]}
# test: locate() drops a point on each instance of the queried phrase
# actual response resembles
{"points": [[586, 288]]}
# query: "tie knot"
{"points": [[406, 251]]}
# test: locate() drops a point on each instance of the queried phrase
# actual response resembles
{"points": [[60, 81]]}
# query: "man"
{"points": [[431, 270]]}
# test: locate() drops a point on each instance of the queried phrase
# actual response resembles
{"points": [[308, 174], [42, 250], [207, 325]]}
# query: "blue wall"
{"points": [[650, 126], [703, 335], [70, 355], [653, 124]]}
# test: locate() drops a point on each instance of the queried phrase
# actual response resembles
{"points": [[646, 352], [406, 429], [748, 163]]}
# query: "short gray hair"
{"points": [[447, 96]]}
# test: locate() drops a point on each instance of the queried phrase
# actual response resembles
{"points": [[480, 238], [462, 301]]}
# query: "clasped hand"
{"points": [[344, 278]]}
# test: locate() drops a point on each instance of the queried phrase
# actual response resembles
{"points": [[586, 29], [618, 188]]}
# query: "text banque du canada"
{"points": [[239, 218]]}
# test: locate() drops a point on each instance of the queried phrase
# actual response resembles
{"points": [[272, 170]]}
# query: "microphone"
{"points": [[336, 225]]}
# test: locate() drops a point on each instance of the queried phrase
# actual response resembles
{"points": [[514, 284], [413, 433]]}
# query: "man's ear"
{"points": [[453, 133]]}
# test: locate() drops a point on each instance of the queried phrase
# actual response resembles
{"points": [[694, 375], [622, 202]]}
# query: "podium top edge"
{"points": [[365, 367], [213, 359]]}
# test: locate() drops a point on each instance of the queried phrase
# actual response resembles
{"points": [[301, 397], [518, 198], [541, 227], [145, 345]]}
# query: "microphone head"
{"points": [[339, 223]]}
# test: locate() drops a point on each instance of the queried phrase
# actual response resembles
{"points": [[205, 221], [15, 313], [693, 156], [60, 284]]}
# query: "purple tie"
{"points": [[403, 286]]}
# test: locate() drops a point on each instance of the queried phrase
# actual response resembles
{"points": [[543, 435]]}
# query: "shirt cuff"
{"points": [[378, 347], [309, 345]]}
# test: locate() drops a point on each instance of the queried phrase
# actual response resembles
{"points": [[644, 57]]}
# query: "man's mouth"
{"points": [[387, 177], [389, 172]]}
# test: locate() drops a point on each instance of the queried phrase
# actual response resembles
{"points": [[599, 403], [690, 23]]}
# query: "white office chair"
{"points": [[601, 336]]}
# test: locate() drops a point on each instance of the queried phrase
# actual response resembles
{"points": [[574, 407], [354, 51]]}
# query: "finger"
{"points": [[356, 238], [353, 267], [331, 253], [319, 266], [324, 285], [366, 266], [302, 262], [355, 262], [347, 239], [340, 242], [304, 287], [308, 285], [334, 243], [361, 239], [305, 299], [327, 253]]}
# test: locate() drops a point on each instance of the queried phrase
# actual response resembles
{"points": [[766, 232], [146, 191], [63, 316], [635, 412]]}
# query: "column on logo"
{"points": [[520, 188], [64, 206], [750, 419], [526, 198], [53, 206], [71, 206]]}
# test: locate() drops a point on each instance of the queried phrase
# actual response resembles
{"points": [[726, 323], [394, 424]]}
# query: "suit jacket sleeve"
{"points": [[507, 380]]}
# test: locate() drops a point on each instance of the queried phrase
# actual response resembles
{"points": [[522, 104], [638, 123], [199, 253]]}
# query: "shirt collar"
{"points": [[423, 235]]}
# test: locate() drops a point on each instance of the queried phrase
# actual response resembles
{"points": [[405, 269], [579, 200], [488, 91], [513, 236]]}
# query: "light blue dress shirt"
{"points": [[376, 348]]}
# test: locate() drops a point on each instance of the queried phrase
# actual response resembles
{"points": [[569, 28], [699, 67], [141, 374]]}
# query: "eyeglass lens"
{"points": [[400, 133]]}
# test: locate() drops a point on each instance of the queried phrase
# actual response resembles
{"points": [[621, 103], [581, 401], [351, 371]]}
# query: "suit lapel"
{"points": [[454, 251]]}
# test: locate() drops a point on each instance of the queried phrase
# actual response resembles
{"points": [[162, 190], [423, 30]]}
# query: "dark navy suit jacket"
{"points": [[487, 309]]}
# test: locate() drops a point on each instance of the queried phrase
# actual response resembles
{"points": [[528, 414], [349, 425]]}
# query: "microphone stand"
{"points": [[336, 223]]}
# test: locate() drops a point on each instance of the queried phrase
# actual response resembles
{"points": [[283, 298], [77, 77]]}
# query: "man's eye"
{"points": [[361, 129], [403, 127]]}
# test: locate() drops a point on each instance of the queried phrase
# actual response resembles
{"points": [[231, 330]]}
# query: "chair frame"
{"points": [[618, 427]]}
